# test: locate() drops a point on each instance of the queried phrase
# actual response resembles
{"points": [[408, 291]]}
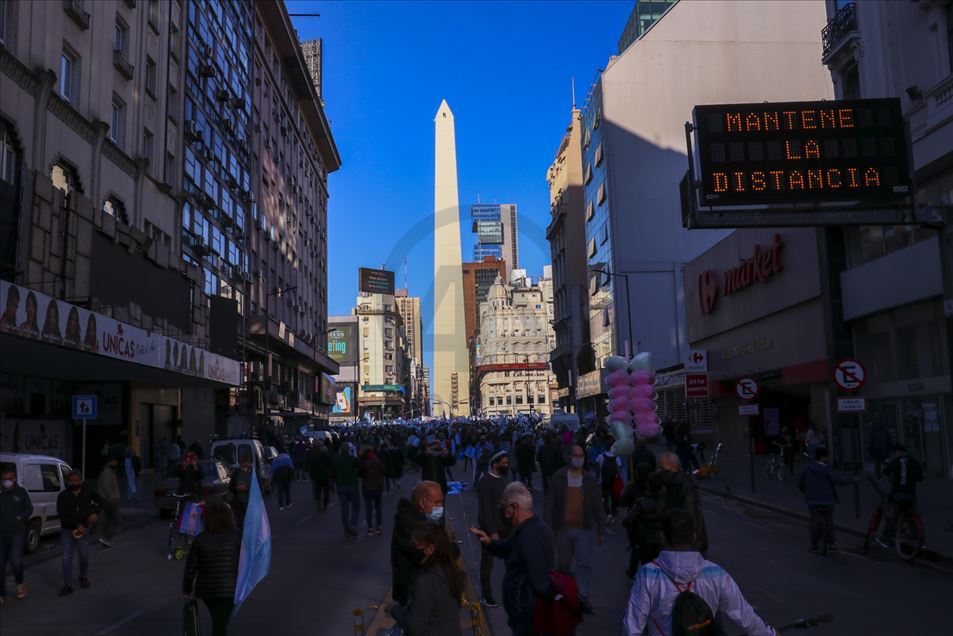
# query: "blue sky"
{"points": [[505, 70]]}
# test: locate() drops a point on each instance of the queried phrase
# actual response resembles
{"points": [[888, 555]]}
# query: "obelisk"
{"points": [[451, 373]]}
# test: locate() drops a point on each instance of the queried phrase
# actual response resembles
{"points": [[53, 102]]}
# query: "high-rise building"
{"points": [[515, 341], [569, 278], [312, 50], [477, 280], [644, 14], [382, 358], [451, 376], [496, 232], [634, 157], [409, 309]]}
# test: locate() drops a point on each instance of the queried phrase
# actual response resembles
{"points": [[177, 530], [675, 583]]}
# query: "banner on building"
{"points": [[344, 400], [30, 314], [342, 344]]}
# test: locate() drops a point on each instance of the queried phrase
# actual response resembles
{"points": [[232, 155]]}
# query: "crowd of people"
{"points": [[545, 529]]}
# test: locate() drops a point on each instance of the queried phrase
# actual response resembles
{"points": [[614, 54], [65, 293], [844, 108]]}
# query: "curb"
{"points": [[926, 555], [46, 555]]}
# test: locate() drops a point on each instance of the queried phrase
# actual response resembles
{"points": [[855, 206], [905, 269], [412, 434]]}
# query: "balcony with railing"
{"points": [[839, 30]]}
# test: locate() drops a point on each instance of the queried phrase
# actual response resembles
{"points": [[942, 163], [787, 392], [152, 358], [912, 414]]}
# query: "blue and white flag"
{"points": [[255, 558]]}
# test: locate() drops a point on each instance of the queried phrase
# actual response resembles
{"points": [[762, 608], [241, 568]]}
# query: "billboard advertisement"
{"points": [[375, 281], [344, 403], [327, 391], [342, 343], [30, 314]]}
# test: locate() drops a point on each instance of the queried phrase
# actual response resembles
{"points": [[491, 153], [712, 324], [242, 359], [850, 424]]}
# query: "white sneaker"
{"points": [[281, 507]]}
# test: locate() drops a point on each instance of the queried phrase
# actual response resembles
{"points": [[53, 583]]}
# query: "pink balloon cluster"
{"points": [[632, 397]]}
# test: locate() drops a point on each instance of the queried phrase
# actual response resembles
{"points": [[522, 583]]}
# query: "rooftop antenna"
{"points": [[572, 81]]}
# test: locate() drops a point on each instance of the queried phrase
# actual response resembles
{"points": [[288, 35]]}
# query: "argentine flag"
{"points": [[255, 558]]}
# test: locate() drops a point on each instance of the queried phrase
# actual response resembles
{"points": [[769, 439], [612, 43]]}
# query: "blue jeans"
{"points": [[11, 550], [350, 502], [576, 543], [372, 504], [72, 544]]}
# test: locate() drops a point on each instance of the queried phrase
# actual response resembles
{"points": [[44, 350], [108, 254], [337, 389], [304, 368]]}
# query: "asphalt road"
{"points": [[319, 576]]}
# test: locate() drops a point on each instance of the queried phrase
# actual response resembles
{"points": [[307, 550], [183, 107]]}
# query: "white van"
{"points": [[232, 450], [43, 477]]}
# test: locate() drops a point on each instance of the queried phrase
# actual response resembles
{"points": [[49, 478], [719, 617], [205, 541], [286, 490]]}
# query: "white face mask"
{"points": [[8, 483], [577, 462]]}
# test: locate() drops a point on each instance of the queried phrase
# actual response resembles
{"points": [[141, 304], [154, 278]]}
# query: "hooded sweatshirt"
{"points": [[653, 595]]}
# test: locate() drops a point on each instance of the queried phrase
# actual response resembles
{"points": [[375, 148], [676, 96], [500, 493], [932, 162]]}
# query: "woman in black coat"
{"points": [[211, 568]]}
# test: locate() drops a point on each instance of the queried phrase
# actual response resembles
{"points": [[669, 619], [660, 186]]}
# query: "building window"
{"points": [[64, 177], [151, 77], [172, 104], [121, 37], [6, 22], [69, 75], [601, 194], [8, 153], [588, 176], [148, 144], [154, 15], [117, 122], [114, 207]]}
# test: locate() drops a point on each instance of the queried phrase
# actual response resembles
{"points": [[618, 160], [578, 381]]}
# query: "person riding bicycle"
{"points": [[818, 482], [904, 471]]}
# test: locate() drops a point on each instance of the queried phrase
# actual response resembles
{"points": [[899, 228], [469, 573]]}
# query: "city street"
{"points": [[318, 577]]}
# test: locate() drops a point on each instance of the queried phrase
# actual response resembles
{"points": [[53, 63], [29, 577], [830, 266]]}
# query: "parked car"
{"points": [[43, 477], [215, 482], [231, 451]]}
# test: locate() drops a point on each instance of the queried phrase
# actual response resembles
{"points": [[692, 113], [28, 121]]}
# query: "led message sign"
{"points": [[375, 281], [801, 151]]}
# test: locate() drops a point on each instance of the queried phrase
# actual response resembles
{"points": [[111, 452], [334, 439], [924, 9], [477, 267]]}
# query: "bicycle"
{"points": [[909, 532], [711, 467], [806, 623], [175, 550], [776, 467]]}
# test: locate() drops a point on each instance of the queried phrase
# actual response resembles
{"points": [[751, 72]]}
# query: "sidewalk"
{"points": [[935, 500]]}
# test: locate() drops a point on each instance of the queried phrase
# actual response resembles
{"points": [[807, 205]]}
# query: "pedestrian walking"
{"points": [[526, 460], [107, 487], [76, 507], [344, 470], [372, 488], [239, 488], [393, 458], [661, 586], [438, 587], [131, 466], [425, 504], [610, 471], [550, 458], [174, 453], [489, 494], [434, 460], [15, 511], [319, 468], [684, 449], [576, 516], [819, 483], [211, 568], [283, 473], [529, 555], [643, 522], [879, 446], [678, 491]]}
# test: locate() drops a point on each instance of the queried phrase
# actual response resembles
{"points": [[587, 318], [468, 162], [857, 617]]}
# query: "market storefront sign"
{"points": [[35, 316], [758, 268], [590, 384], [762, 344]]}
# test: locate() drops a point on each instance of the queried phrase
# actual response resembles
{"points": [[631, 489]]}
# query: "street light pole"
{"points": [[628, 310]]}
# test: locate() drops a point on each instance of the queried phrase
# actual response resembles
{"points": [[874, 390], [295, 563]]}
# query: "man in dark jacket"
{"points": [[76, 507], [575, 513], [344, 471], [190, 476], [15, 511], [679, 492], [434, 460], [526, 460], [239, 488], [529, 555], [425, 504], [319, 468], [818, 482], [550, 458], [904, 471], [879, 445], [489, 493]]}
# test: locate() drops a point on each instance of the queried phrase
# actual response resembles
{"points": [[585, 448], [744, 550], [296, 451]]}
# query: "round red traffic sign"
{"points": [[747, 389], [849, 375]]}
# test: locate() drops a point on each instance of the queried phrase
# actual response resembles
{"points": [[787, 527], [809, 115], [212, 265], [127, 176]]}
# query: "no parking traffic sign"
{"points": [[849, 375]]}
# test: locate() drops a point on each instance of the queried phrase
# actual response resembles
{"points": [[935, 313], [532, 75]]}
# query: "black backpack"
{"points": [[691, 614]]}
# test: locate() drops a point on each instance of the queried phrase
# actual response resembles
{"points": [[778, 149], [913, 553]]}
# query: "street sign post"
{"points": [[850, 375], [85, 407], [852, 405], [747, 389], [748, 409]]}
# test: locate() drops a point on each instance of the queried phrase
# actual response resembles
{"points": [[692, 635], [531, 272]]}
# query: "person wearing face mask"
{"points": [[425, 504], [529, 555], [489, 493], [76, 507], [15, 511], [190, 476], [574, 511], [109, 495], [438, 587]]}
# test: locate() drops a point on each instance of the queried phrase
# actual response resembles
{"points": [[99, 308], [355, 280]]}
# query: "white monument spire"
{"points": [[451, 379]]}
